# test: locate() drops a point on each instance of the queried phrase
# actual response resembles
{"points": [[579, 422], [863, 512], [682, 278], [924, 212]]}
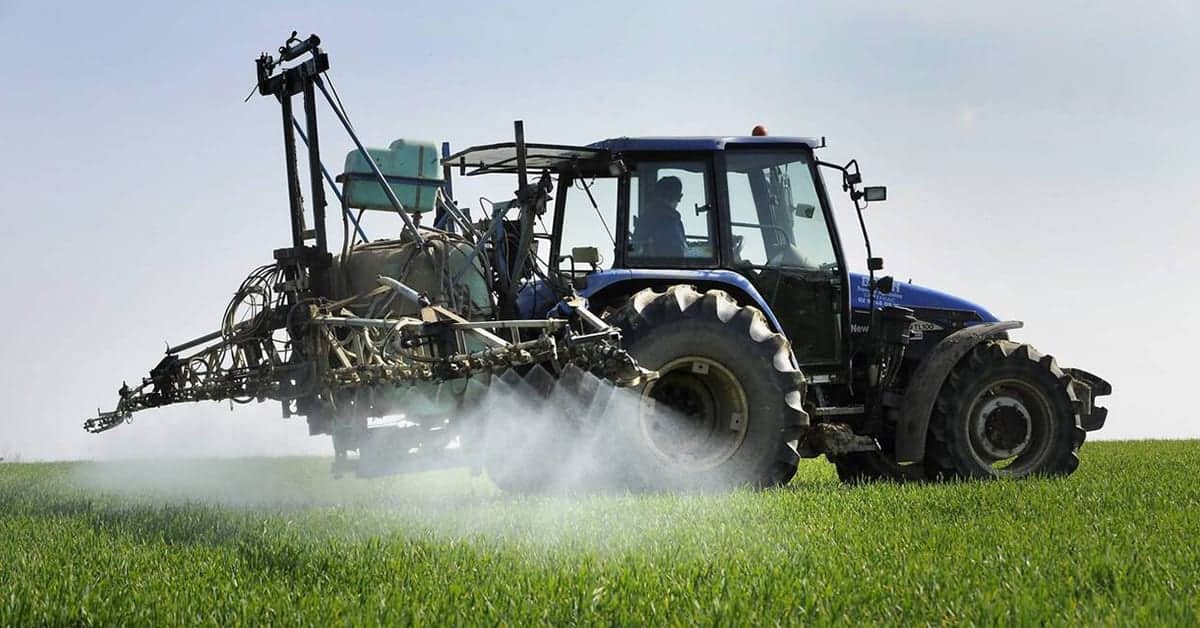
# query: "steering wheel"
{"points": [[790, 257]]}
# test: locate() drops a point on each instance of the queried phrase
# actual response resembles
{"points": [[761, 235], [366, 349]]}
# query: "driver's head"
{"points": [[669, 190]]}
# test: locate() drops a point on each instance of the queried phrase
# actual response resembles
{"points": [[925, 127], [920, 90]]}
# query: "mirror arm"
{"points": [[855, 195]]}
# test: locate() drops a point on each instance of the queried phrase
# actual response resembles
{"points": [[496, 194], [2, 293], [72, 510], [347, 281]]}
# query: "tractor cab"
{"points": [[745, 214], [751, 207], [755, 206]]}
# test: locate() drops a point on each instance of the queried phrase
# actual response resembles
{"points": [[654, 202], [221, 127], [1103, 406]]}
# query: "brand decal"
{"points": [[919, 327]]}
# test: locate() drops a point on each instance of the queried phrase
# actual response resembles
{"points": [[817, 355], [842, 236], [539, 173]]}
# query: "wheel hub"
{"points": [[694, 416], [1001, 428]]}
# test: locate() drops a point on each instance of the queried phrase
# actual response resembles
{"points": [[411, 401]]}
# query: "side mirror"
{"points": [[875, 193], [885, 284], [804, 210]]}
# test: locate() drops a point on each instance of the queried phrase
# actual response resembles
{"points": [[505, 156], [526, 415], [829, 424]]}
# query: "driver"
{"points": [[660, 227]]}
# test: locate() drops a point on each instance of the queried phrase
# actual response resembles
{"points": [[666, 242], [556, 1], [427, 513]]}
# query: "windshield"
{"points": [[776, 215]]}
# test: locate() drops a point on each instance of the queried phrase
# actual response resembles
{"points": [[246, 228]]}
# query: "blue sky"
{"points": [[1041, 159]]}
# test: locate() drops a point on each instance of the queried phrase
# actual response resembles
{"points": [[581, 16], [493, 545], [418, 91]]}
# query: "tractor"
{"points": [[681, 305]]}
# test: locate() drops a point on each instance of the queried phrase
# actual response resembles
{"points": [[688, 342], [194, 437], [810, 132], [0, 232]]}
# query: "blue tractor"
{"points": [[727, 277], [683, 305]]}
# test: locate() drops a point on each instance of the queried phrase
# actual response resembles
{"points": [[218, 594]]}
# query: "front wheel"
{"points": [[1006, 411]]}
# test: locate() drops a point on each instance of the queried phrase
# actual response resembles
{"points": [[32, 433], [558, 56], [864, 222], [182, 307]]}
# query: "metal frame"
{"points": [[350, 352], [295, 344]]}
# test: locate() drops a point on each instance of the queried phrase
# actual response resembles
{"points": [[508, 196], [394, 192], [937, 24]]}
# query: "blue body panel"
{"points": [[623, 144], [912, 296], [536, 299]]}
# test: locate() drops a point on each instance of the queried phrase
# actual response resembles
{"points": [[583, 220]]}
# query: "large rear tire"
{"points": [[726, 409], [1005, 411]]}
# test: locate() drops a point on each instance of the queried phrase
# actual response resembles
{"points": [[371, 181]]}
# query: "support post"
{"points": [[519, 132], [295, 202], [440, 218], [320, 268], [333, 186], [316, 185], [447, 171]]}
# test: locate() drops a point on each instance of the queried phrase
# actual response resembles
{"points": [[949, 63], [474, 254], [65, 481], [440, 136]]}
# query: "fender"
{"points": [[917, 406], [603, 279]]}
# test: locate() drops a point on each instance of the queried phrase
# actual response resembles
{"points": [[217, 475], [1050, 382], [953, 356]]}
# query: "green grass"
{"points": [[248, 541]]}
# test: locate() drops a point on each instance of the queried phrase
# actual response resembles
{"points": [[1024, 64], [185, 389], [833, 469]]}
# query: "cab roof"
{"points": [[695, 143]]}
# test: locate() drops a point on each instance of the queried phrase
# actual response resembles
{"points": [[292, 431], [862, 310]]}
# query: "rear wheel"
{"points": [[1006, 411], [726, 408]]}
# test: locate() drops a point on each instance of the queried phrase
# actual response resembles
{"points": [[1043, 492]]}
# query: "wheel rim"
{"points": [[695, 415], [1009, 427]]}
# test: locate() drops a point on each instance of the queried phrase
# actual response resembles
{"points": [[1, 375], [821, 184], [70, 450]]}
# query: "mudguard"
{"points": [[926, 382]]}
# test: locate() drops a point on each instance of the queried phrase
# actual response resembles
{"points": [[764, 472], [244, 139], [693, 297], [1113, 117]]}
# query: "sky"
{"points": [[1041, 160]]}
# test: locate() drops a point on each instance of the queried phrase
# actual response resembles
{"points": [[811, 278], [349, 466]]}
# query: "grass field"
{"points": [[248, 541]]}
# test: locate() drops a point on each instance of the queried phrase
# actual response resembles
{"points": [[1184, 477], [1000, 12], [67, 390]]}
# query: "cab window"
{"points": [[775, 214], [670, 222], [590, 217]]}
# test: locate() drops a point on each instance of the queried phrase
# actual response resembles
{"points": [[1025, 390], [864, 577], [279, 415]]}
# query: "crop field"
{"points": [[279, 540]]}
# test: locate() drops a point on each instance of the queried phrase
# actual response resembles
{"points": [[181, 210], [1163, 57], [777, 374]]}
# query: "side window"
{"points": [[670, 221], [585, 224]]}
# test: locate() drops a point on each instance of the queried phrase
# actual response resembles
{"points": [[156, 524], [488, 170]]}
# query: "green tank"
{"points": [[412, 169]]}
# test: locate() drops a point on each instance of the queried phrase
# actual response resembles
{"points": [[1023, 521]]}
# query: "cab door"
{"points": [[779, 237]]}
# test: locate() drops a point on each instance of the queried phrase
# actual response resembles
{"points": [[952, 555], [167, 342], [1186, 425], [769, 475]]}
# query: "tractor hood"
{"points": [[913, 297]]}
